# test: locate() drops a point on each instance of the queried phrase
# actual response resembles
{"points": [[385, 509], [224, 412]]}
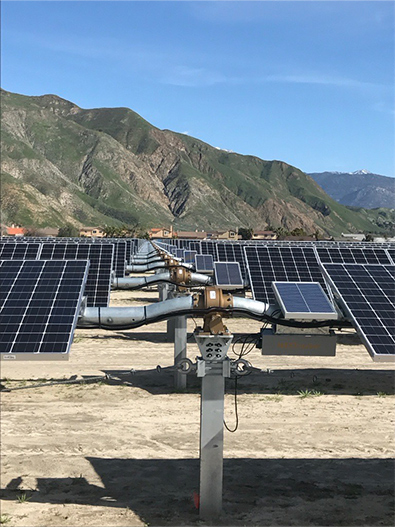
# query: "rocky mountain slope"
{"points": [[358, 189], [62, 163]]}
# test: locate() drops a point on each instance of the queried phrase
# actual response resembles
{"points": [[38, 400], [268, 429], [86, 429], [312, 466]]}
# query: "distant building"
{"points": [[163, 232], [264, 235], [192, 235], [14, 231], [222, 235], [92, 232]]}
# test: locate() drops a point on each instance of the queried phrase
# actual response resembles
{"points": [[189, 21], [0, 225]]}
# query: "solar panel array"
{"points": [[97, 289], [367, 293], [40, 302], [280, 264], [260, 261]]}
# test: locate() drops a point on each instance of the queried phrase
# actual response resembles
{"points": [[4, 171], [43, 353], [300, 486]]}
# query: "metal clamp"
{"points": [[241, 367]]}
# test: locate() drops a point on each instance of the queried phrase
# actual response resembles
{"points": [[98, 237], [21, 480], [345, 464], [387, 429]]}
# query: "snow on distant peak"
{"points": [[358, 172]]}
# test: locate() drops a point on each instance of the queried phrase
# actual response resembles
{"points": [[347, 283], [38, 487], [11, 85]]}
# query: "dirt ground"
{"points": [[314, 445]]}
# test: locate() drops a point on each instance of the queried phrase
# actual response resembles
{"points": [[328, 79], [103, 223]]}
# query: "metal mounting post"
{"points": [[211, 442], [213, 367], [180, 350], [170, 321]]}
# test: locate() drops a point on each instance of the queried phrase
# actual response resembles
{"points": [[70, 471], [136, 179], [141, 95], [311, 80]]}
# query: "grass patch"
{"points": [[23, 498], [276, 398], [4, 519], [303, 394]]}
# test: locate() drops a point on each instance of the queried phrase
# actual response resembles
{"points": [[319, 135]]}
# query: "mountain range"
{"points": [[358, 189], [65, 164]]}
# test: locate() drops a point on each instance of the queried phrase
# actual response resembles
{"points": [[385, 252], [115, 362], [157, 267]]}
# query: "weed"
{"points": [[382, 394], [4, 518], [309, 393], [275, 398], [23, 498]]}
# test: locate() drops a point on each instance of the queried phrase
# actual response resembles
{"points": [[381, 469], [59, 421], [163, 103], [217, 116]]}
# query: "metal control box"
{"points": [[304, 344]]}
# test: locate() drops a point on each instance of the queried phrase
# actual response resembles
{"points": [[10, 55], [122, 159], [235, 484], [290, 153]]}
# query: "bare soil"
{"points": [[314, 445]]}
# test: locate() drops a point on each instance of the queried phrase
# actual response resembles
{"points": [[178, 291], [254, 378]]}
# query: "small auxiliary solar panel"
{"points": [[39, 305], [100, 256], [228, 275], [19, 251], [204, 263], [367, 294], [353, 255], [189, 257], [304, 300], [267, 264]]}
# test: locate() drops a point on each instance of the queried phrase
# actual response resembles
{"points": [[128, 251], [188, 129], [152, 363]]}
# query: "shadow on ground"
{"points": [[260, 492], [282, 382]]}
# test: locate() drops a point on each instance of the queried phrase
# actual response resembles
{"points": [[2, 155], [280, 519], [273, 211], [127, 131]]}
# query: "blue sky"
{"points": [[309, 83]]}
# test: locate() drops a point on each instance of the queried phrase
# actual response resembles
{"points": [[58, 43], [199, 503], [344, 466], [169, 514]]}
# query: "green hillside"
{"points": [[110, 166]]}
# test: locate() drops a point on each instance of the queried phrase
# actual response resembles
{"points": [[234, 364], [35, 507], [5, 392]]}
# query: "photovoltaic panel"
{"points": [[391, 252], [179, 253], [39, 306], [19, 251], [353, 255], [367, 294], [204, 263], [209, 248], [100, 256], [280, 264], [119, 261], [195, 246], [228, 275], [232, 252], [304, 300], [189, 257]]}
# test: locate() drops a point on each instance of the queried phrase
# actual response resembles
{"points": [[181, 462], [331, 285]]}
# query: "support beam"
{"points": [[170, 321], [211, 441], [180, 350]]}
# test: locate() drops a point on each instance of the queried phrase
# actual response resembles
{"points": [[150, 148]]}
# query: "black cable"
{"points": [[236, 413]]}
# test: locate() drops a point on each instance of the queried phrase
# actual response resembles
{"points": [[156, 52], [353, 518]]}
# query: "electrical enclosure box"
{"points": [[303, 344]]}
